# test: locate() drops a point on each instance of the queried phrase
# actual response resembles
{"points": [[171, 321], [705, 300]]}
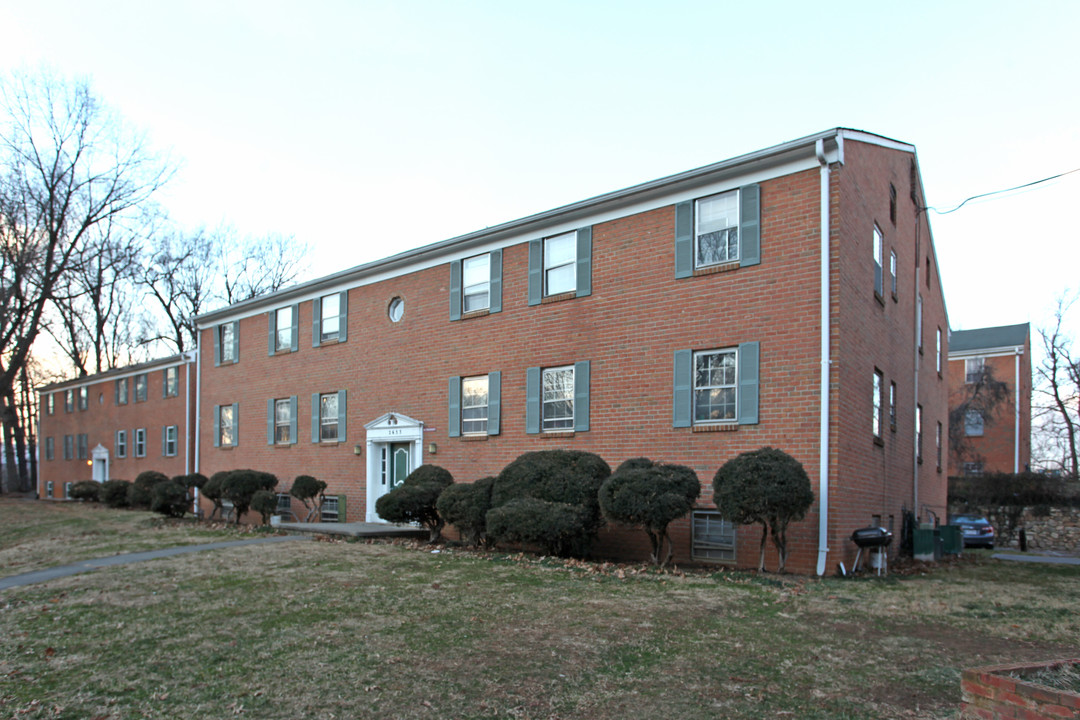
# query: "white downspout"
{"points": [[198, 406], [1016, 418], [826, 362]]}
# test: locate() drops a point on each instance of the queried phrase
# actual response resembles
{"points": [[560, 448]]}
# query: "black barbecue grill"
{"points": [[873, 540]]}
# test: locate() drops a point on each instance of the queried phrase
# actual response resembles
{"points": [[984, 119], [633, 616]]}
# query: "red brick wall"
{"points": [[629, 328], [103, 417], [991, 693]]}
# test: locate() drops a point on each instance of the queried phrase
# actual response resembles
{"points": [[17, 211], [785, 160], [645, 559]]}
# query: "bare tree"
{"points": [[255, 265], [180, 276], [67, 165], [1059, 389]]}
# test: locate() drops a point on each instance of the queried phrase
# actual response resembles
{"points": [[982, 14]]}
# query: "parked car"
{"points": [[976, 530]]}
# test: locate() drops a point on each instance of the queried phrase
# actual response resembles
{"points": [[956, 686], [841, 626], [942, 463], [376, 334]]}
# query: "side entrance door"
{"points": [[400, 464]]}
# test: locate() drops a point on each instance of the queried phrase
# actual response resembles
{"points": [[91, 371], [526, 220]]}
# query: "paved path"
{"points": [[39, 576], [355, 529], [1049, 559]]}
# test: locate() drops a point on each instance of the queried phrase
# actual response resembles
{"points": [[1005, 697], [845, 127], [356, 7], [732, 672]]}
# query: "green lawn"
{"points": [[357, 630]]}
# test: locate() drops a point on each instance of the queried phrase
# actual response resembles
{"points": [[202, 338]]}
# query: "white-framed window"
{"points": [[50, 403], [713, 537], [938, 339], [918, 432], [121, 443], [716, 229], [331, 509], [892, 406], [50, 448], [974, 423], [67, 490], [715, 383], [973, 369], [69, 447], [171, 381], [49, 488], [82, 444], [474, 405], [329, 317], [328, 417], [879, 382], [284, 503], [84, 397], [476, 283], [226, 426], [284, 323], [283, 421], [140, 387], [226, 342], [560, 264], [973, 468], [557, 401], [892, 271], [168, 440], [938, 440], [122, 391], [69, 401], [879, 252], [140, 442]]}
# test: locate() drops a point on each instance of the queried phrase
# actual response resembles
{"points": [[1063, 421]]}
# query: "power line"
{"points": [[998, 192]]}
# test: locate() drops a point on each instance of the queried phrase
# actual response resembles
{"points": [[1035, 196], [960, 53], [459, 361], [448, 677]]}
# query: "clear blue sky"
{"points": [[368, 128]]}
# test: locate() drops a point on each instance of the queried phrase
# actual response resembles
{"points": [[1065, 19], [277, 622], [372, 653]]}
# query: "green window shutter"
{"points": [[342, 415], [532, 400], [292, 418], [454, 407], [164, 383], [494, 402], [116, 393], [495, 289], [581, 396], [536, 271], [584, 262], [315, 420], [684, 239], [455, 290], [682, 398], [343, 316], [164, 436], [217, 345], [236, 423], [217, 425], [316, 322], [295, 331], [270, 421], [750, 225], [341, 517], [749, 373], [236, 341], [272, 315]]}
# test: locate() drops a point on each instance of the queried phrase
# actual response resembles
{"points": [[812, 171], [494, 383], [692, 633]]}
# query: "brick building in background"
{"points": [[989, 438], [681, 319], [117, 424]]}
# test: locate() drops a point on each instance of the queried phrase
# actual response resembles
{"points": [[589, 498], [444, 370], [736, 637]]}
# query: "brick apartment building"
{"points": [[1000, 441], [117, 424], [789, 298]]}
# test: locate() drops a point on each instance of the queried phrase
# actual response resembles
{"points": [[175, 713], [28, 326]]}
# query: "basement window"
{"points": [[713, 537]]}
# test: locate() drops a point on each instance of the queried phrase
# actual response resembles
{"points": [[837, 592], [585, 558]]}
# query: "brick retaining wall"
{"points": [[990, 693]]}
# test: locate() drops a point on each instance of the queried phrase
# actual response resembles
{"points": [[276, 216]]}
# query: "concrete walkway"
{"points": [[355, 529], [40, 576], [1048, 559]]}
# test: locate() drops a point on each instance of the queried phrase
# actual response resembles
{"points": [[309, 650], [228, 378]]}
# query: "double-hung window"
{"points": [[69, 447], [560, 265], [918, 433], [939, 351], [475, 405], [939, 432], [879, 252], [556, 398], [283, 331], [84, 397], [227, 343], [50, 448], [281, 421], [973, 370], [50, 403], [140, 387], [718, 231], [716, 387], [331, 321], [69, 400], [328, 417], [140, 442], [121, 443], [122, 391], [892, 272], [892, 406], [476, 285], [82, 446], [879, 383], [170, 382], [226, 425], [168, 440], [974, 423]]}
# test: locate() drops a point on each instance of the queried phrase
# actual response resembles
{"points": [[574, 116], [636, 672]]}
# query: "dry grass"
{"points": [[346, 630]]}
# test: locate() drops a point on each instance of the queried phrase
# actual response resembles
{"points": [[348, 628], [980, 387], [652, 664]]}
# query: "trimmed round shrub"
{"points": [[306, 489], [465, 506], [212, 490], [114, 493], [414, 500], [650, 495], [264, 502], [239, 488], [557, 528], [191, 480], [139, 494], [86, 490], [557, 477], [170, 498], [765, 486]]}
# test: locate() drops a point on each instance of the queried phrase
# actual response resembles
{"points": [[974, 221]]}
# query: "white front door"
{"points": [[394, 449]]}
